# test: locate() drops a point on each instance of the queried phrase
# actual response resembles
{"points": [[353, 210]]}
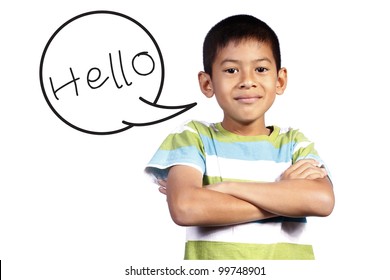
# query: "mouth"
{"points": [[247, 99]]}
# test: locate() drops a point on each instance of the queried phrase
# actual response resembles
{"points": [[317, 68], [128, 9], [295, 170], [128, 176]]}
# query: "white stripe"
{"points": [[259, 170], [258, 233], [180, 129], [162, 167], [185, 126], [284, 130]]}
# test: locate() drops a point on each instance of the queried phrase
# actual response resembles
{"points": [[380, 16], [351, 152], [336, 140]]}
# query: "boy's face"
{"points": [[245, 82]]}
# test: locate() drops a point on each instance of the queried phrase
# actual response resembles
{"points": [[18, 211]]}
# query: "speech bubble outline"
{"points": [[128, 124]]}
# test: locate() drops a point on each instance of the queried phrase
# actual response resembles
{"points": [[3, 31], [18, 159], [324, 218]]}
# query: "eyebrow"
{"points": [[238, 61]]}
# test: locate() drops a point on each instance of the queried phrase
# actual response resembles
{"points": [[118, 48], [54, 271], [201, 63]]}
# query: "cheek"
{"points": [[223, 101], [224, 86], [270, 85]]}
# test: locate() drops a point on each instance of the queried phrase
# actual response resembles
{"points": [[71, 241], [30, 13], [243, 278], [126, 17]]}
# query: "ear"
{"points": [[205, 84], [281, 83]]}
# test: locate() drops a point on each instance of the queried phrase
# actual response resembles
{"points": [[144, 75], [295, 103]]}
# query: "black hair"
{"points": [[237, 28]]}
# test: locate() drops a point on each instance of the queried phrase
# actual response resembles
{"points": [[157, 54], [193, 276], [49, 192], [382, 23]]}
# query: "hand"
{"points": [[162, 186], [304, 169]]}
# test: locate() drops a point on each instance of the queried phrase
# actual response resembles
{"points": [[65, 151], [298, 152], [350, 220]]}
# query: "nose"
{"points": [[247, 80]]}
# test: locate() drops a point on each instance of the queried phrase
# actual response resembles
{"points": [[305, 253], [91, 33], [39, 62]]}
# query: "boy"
{"points": [[243, 189]]}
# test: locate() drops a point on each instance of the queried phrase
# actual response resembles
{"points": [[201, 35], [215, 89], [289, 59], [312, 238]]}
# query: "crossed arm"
{"points": [[303, 190]]}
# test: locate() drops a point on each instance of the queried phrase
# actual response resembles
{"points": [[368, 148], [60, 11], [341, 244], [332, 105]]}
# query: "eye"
{"points": [[231, 70], [261, 69]]}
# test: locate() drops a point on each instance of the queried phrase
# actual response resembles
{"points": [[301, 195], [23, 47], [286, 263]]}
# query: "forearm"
{"points": [[293, 198], [190, 204], [203, 207]]}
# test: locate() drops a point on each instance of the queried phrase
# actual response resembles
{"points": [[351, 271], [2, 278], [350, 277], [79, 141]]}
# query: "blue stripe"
{"points": [[189, 154], [259, 150]]}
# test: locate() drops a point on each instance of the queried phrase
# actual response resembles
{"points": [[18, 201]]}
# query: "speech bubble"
{"points": [[99, 72]]}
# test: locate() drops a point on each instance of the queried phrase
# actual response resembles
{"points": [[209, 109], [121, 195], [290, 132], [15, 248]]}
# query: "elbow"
{"points": [[324, 205], [180, 218], [322, 200], [181, 214]]}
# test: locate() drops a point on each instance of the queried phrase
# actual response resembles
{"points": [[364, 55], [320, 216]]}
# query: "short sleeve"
{"points": [[303, 148], [183, 146]]}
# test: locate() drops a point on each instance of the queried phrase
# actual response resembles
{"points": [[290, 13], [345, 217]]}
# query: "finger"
{"points": [[162, 183], [313, 173], [162, 190], [305, 170], [304, 165], [298, 165], [302, 162], [315, 176]]}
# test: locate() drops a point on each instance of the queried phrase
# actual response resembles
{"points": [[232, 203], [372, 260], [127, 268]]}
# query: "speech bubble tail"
{"points": [[183, 108]]}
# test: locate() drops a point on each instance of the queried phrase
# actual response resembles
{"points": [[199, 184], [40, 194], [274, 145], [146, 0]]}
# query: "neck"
{"points": [[254, 128]]}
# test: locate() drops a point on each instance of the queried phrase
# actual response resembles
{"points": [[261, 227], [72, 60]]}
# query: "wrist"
{"points": [[222, 187], [227, 187]]}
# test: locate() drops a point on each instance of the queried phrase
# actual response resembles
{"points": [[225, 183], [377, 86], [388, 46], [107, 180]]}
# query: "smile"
{"points": [[247, 99]]}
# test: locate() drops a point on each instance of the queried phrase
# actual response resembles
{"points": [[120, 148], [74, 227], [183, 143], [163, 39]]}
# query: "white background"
{"points": [[78, 206]]}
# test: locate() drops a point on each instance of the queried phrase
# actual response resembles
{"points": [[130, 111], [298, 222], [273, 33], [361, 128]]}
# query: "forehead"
{"points": [[245, 49]]}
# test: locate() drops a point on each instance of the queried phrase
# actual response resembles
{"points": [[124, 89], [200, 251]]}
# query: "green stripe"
{"points": [[277, 139], [211, 250], [209, 180], [183, 139], [304, 152], [192, 138]]}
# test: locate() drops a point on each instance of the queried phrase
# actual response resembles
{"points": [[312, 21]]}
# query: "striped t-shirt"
{"points": [[224, 156]]}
